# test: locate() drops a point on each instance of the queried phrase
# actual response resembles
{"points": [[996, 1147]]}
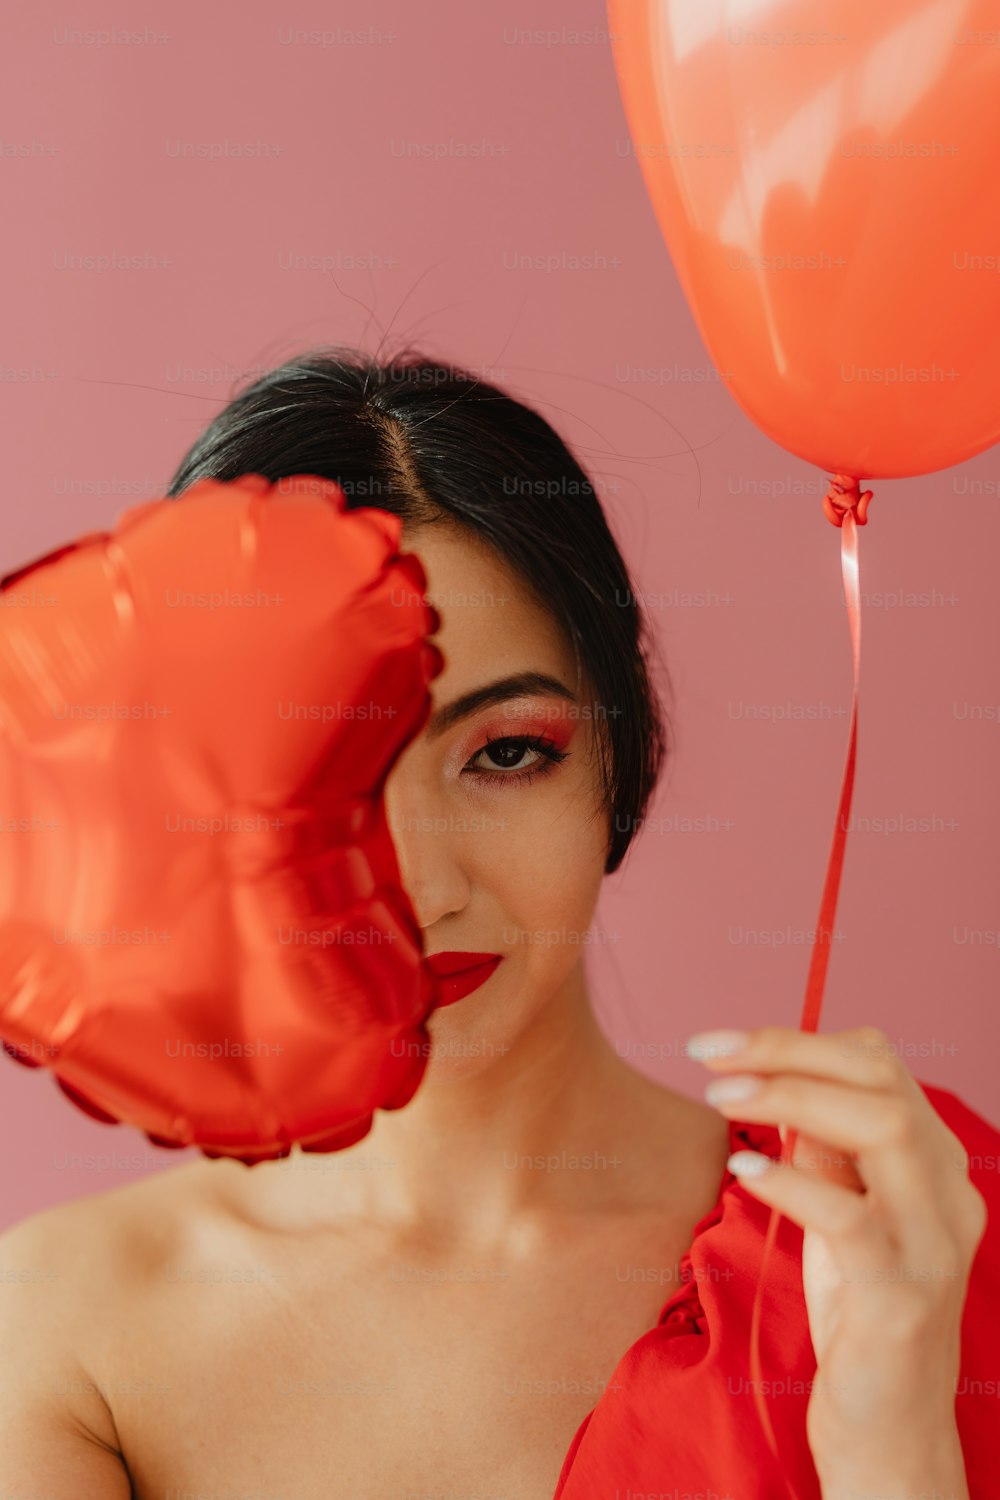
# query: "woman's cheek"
{"points": [[554, 909], [544, 842]]}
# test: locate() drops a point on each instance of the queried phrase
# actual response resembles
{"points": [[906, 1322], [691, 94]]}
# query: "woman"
{"points": [[470, 1301]]}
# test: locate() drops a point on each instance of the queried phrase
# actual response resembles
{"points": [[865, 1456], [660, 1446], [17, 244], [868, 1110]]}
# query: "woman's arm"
{"points": [[933, 1470], [57, 1435]]}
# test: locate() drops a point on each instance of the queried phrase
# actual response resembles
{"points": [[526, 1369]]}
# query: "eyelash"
{"points": [[551, 753]]}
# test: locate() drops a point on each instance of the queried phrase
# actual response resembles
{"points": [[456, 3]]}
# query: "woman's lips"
{"points": [[458, 974]]}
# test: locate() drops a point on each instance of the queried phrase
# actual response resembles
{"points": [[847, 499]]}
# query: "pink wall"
{"points": [[422, 165]]}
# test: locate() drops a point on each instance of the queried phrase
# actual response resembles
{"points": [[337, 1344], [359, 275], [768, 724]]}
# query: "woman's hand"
{"points": [[891, 1223]]}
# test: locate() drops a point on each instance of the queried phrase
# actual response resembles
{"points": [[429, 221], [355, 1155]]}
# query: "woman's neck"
{"points": [[558, 1124]]}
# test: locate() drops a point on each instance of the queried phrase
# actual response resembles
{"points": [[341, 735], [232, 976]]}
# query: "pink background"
{"points": [[109, 375]]}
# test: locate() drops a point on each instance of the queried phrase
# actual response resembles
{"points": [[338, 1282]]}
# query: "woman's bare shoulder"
{"points": [[76, 1279], [111, 1236]]}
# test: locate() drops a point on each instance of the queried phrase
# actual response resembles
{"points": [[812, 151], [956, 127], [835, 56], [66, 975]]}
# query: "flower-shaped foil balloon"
{"points": [[203, 930]]}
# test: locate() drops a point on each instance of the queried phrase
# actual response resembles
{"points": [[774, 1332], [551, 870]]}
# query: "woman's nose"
{"points": [[427, 847]]}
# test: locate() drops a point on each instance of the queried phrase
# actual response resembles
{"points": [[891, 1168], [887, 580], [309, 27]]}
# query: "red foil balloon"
{"points": [[203, 930], [821, 172]]}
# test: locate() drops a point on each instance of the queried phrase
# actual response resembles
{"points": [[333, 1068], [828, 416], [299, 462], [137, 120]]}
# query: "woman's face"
{"points": [[501, 848]]}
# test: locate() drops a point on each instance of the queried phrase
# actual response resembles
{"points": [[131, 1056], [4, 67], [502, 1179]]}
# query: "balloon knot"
{"points": [[843, 496]]}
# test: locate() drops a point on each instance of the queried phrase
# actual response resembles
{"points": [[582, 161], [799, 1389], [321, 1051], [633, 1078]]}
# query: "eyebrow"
{"points": [[519, 685]]}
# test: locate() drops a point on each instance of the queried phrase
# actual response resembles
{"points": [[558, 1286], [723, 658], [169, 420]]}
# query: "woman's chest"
{"points": [[399, 1376]]}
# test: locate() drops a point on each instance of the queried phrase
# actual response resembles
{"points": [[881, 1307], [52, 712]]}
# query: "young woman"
{"points": [[536, 1278]]}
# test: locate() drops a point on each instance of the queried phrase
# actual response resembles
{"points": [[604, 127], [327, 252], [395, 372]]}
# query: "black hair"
{"points": [[430, 442]]}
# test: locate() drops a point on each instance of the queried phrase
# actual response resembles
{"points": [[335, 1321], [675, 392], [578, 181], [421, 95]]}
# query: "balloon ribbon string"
{"points": [[847, 509]]}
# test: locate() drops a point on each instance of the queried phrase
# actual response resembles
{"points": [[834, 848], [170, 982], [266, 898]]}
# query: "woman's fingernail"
{"points": [[748, 1163], [736, 1086], [715, 1043]]}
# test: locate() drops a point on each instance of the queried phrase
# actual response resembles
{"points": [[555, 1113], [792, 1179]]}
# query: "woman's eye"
{"points": [[507, 754], [505, 759]]}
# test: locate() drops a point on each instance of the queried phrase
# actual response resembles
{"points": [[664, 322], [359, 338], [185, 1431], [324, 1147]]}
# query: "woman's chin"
{"points": [[465, 1039]]}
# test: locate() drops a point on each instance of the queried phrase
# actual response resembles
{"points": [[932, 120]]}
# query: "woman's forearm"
{"points": [[933, 1470]]}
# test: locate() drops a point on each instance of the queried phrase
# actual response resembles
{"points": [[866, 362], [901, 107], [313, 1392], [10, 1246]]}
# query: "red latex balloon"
{"points": [[823, 173], [203, 930]]}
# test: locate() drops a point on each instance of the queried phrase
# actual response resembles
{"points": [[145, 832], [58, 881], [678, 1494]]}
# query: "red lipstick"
{"points": [[458, 974]]}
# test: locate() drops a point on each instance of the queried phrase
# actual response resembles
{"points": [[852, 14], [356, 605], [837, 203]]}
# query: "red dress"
{"points": [[677, 1420]]}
